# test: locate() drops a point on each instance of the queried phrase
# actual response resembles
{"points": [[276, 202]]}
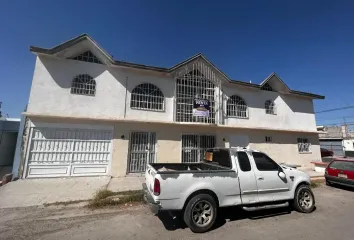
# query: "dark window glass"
{"points": [[341, 165], [244, 162], [264, 163], [221, 157]]}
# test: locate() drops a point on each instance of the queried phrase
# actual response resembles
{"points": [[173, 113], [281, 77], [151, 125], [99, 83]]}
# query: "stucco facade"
{"points": [[52, 81], [51, 101]]}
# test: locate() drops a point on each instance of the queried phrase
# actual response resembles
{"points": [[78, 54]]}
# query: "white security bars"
{"points": [[197, 81]]}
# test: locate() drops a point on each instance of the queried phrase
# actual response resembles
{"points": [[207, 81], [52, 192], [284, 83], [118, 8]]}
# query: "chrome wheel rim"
{"points": [[305, 199], [202, 213]]}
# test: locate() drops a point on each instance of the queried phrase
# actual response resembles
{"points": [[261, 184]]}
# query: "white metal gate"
{"points": [[194, 147], [65, 152], [142, 150]]}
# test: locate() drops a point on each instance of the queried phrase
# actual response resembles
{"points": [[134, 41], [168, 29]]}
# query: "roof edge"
{"points": [[312, 95], [82, 37]]}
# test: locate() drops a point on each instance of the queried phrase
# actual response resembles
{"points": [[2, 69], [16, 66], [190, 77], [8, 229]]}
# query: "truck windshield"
{"points": [[218, 156]]}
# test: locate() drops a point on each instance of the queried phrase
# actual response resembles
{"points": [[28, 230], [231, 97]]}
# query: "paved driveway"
{"points": [[333, 219]]}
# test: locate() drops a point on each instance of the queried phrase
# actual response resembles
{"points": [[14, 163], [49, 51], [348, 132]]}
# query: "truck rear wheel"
{"points": [[304, 200], [200, 213]]}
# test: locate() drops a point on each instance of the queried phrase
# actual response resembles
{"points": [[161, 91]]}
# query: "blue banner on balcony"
{"points": [[201, 107]]}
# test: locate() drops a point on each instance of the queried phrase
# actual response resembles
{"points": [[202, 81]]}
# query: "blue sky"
{"points": [[310, 44]]}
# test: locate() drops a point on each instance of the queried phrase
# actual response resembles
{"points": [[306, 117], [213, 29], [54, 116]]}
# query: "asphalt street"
{"points": [[332, 219]]}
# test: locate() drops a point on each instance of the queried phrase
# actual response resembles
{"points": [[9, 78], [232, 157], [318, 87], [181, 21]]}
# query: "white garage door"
{"points": [[55, 152]]}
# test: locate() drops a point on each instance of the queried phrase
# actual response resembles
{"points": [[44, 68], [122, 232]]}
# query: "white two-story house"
{"points": [[92, 115]]}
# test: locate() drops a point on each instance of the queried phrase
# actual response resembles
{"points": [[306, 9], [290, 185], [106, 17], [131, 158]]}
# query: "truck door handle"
{"points": [[260, 178]]}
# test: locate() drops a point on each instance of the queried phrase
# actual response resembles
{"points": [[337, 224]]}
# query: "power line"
{"points": [[325, 118], [336, 109]]}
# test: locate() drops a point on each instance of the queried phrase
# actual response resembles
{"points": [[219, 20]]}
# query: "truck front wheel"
{"points": [[304, 200], [200, 213]]}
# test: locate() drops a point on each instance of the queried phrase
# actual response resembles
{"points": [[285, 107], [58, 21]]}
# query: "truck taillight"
{"points": [[157, 188]]}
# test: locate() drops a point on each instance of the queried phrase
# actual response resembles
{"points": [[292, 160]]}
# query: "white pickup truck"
{"points": [[226, 177]]}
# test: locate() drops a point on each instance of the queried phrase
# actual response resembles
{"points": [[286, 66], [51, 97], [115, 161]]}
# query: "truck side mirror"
{"points": [[282, 175]]}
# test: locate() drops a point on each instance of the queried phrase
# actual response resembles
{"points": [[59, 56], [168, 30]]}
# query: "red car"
{"points": [[326, 153], [341, 172]]}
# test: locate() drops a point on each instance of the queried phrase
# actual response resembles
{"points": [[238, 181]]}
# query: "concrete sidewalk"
{"points": [[126, 183], [35, 192]]}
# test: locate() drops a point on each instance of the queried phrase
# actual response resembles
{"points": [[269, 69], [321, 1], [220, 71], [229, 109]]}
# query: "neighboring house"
{"points": [[8, 135], [92, 115], [337, 139]]}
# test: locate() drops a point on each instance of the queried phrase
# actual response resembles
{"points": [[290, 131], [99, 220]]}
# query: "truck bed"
{"points": [[166, 168]]}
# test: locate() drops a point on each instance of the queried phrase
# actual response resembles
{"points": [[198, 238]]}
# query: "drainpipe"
{"points": [[126, 93]]}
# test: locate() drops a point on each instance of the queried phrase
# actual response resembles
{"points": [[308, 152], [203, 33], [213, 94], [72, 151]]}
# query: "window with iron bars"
{"points": [[87, 57], [189, 87], [304, 146], [83, 84], [270, 107], [147, 96], [236, 107], [267, 87], [194, 147]]}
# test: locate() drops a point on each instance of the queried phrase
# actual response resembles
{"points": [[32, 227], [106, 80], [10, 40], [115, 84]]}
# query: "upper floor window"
{"points": [[87, 57], [303, 145], [83, 84], [267, 87], [270, 107], [236, 107], [196, 81], [148, 97]]}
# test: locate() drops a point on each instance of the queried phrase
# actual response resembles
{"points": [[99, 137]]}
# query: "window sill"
{"points": [[305, 152], [148, 110], [238, 117]]}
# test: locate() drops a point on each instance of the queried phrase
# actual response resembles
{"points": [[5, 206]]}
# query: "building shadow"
{"points": [[225, 215]]}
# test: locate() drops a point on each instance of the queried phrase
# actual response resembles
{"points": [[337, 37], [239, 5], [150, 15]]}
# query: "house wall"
{"points": [[50, 94], [50, 91], [291, 111], [283, 149]]}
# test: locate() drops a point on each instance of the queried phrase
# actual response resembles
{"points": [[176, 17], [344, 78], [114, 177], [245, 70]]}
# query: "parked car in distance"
{"points": [[340, 172], [326, 153], [226, 177]]}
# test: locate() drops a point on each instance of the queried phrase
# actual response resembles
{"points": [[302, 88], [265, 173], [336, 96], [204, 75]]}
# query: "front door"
{"points": [[270, 186], [247, 179], [142, 151]]}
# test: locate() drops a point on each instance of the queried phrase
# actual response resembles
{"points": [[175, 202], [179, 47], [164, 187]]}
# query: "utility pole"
{"points": [[345, 133], [0, 110]]}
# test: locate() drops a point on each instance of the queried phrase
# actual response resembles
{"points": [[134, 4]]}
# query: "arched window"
{"points": [[87, 57], [147, 96], [267, 87], [269, 107], [196, 81], [83, 84], [236, 107]]}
